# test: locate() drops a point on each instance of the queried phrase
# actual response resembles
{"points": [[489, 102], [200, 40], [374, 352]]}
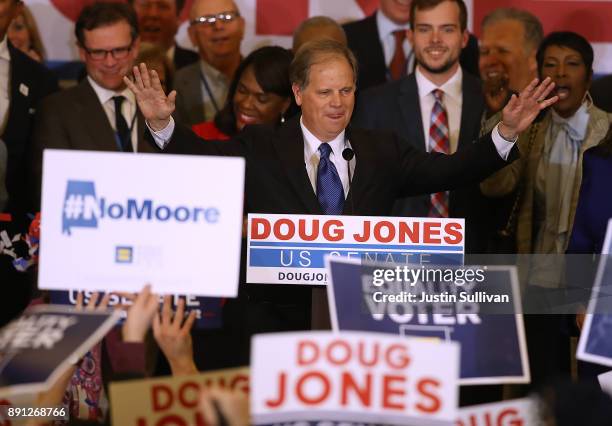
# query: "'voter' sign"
{"points": [[291, 249]]}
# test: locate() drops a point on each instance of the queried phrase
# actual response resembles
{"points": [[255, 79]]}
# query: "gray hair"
{"points": [[316, 22], [316, 52], [534, 32]]}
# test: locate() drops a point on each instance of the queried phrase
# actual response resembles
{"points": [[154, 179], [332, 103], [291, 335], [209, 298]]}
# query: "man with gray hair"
{"points": [[508, 45], [317, 28], [303, 166]]}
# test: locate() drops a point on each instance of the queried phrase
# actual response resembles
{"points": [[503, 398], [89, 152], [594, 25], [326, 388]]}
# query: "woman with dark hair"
{"points": [[549, 170], [260, 93]]}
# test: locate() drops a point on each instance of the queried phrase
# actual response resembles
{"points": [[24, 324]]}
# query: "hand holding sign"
{"points": [[152, 101], [174, 337], [140, 315], [224, 407]]}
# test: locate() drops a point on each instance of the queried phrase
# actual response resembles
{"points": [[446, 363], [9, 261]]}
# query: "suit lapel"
{"points": [[18, 106], [362, 172], [101, 134], [410, 110], [471, 110], [289, 144]]}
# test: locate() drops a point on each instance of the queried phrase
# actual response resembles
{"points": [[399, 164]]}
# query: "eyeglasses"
{"points": [[210, 20], [116, 53]]}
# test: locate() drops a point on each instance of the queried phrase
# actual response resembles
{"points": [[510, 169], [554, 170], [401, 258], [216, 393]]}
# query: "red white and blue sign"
{"points": [[291, 249]]}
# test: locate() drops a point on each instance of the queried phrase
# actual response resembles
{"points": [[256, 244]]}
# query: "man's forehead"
{"points": [[212, 7], [504, 31], [116, 34]]}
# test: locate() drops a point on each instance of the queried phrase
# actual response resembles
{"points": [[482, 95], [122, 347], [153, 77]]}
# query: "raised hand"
{"points": [[139, 315], [152, 101], [521, 110], [174, 337]]}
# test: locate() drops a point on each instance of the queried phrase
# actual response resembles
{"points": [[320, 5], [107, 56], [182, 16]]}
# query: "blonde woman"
{"points": [[23, 34]]}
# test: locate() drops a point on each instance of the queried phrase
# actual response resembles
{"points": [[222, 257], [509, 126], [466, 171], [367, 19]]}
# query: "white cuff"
{"points": [[162, 137], [502, 145]]}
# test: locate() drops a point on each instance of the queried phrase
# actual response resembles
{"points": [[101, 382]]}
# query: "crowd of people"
{"points": [[507, 132]]}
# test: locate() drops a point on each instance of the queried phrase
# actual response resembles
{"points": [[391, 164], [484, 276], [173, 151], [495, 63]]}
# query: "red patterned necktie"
{"points": [[397, 67], [439, 142]]}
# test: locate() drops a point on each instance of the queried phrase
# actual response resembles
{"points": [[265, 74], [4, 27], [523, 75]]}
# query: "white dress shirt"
{"points": [[5, 90], [128, 108], [452, 101], [218, 85], [386, 28], [312, 157]]}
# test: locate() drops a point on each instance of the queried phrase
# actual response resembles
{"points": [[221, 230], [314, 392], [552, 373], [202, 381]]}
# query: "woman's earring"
{"points": [[282, 118]]}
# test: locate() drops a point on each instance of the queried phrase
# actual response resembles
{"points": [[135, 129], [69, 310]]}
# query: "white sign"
{"points": [[353, 376], [291, 249], [519, 412], [115, 221]]}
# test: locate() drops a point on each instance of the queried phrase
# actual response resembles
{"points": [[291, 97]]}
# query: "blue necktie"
{"points": [[329, 186]]}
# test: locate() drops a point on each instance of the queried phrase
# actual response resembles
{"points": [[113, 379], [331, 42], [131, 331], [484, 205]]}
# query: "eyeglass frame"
{"points": [[112, 52], [211, 20]]}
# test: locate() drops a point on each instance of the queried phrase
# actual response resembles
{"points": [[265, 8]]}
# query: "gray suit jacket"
{"points": [[189, 102], [75, 119]]}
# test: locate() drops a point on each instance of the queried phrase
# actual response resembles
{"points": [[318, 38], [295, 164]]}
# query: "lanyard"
{"points": [[210, 95]]}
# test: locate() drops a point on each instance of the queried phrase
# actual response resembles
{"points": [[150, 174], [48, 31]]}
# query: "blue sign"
{"points": [[208, 309], [478, 312], [38, 346]]}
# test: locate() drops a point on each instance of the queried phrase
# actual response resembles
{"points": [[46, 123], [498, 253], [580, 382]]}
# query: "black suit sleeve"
{"points": [[184, 141], [425, 173]]}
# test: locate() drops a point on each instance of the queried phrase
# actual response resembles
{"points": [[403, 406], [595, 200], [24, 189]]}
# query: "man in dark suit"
{"points": [[379, 42], [298, 168], [99, 114], [406, 106], [23, 83], [158, 22], [601, 91]]}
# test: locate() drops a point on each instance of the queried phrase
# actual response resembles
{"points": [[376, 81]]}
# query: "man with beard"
{"points": [[436, 109]]}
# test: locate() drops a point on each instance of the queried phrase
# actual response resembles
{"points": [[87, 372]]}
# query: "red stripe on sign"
{"points": [[588, 18], [279, 17]]}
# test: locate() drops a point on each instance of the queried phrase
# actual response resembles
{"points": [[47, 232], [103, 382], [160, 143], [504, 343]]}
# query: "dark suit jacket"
{"points": [[184, 57], [363, 40], [601, 91], [75, 119], [29, 83], [395, 107], [276, 182]]}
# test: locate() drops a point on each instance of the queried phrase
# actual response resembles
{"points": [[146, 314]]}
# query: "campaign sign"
{"points": [[208, 309], [40, 345], [170, 400], [487, 324], [516, 412], [595, 344], [114, 221], [291, 249], [370, 378]]}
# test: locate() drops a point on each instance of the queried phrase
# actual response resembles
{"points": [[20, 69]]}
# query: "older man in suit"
{"points": [[158, 22], [384, 53], [23, 83], [216, 28], [100, 114], [298, 168], [439, 95]]}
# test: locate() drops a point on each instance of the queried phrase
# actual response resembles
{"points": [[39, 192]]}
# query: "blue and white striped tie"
{"points": [[329, 186]]}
